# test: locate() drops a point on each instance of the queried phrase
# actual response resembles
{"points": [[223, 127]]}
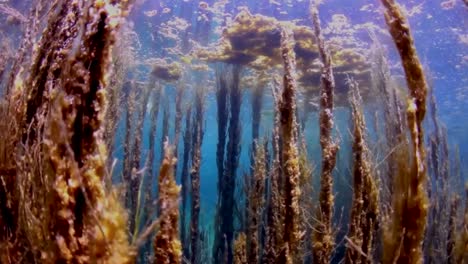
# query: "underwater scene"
{"points": [[234, 131]]}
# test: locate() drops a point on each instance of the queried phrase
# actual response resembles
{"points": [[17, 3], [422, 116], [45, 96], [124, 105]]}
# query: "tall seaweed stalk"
{"points": [[197, 136], [149, 209], [165, 122], [180, 90], [257, 103], [156, 97], [84, 225], [225, 232], [127, 160], [452, 232], [364, 209], [134, 184], [120, 68], [167, 246], [185, 180], [47, 63], [290, 153], [255, 197], [222, 95], [275, 212], [323, 240], [404, 237]]}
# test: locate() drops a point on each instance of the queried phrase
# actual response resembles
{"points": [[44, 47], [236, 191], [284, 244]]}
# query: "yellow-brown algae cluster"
{"points": [[256, 204], [89, 225], [240, 249], [254, 41], [167, 71]]}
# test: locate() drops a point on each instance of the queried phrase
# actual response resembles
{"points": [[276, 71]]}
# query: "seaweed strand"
{"points": [[197, 136], [323, 240], [290, 154], [256, 205], [410, 215], [167, 246]]}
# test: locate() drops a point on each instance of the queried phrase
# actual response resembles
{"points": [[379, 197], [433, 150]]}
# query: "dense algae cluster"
{"points": [[254, 41], [82, 137]]}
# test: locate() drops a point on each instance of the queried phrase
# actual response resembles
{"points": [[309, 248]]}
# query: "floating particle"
{"points": [[273, 2], [447, 5], [166, 10], [463, 38], [367, 8], [203, 17], [151, 13], [203, 5]]}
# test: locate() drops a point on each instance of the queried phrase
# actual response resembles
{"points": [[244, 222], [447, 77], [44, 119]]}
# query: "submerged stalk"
{"points": [[410, 209], [197, 136], [323, 241], [290, 154], [167, 246]]}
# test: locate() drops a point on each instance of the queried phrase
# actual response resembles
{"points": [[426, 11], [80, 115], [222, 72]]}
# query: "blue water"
{"points": [[440, 30]]}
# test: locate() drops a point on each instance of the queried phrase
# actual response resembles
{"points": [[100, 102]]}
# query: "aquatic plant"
{"points": [[256, 202], [275, 207], [156, 97], [184, 178], [461, 244], [257, 103], [438, 172], [120, 67], [364, 209], [381, 80], [47, 62], [149, 209], [403, 239], [86, 224], [12, 13], [128, 139], [74, 89], [240, 249], [226, 180], [197, 140], [222, 95], [180, 90], [167, 246], [323, 240], [10, 240], [254, 41], [167, 71], [307, 201], [290, 155], [64, 109], [452, 225], [135, 181], [165, 121]]}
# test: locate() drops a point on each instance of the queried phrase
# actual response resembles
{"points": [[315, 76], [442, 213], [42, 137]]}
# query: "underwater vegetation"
{"points": [[107, 145]]}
